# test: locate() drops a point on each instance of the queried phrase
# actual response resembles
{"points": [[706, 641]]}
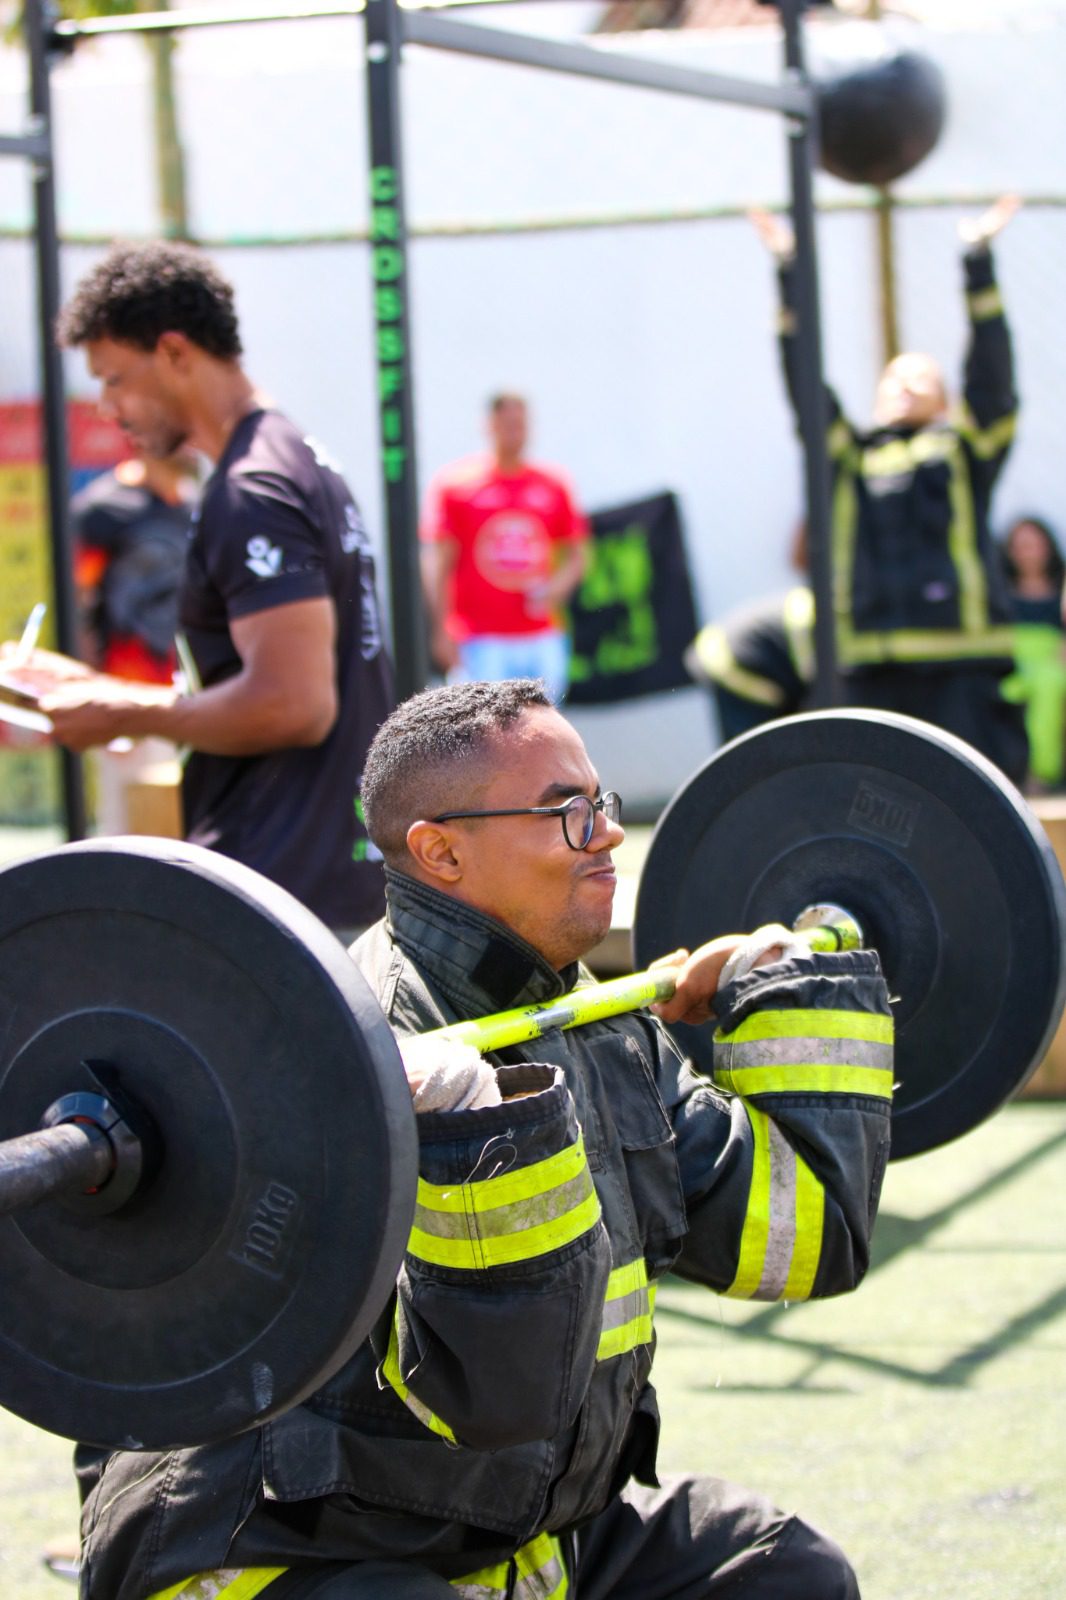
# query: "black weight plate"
{"points": [[260, 1254], [936, 854]]}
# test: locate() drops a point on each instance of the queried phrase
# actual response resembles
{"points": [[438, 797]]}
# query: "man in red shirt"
{"points": [[503, 548]]}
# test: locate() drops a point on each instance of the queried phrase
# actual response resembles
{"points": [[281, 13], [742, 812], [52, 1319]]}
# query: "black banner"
{"points": [[633, 615]]}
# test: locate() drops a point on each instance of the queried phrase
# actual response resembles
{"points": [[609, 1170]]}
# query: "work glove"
{"points": [[447, 1075], [752, 953]]}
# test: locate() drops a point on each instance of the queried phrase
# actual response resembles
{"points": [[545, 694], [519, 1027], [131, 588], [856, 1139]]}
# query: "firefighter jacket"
{"points": [[762, 652], [504, 1395], [916, 575]]}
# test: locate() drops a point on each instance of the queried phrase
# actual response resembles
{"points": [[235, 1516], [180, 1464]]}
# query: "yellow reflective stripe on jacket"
{"points": [[826, 1024], [541, 1574], [923, 644], [718, 662], [806, 1078], [845, 518], [627, 1309], [807, 1052], [898, 457], [389, 1372], [984, 304], [515, 1217], [988, 441], [838, 438], [781, 1242], [962, 547], [798, 616], [225, 1583]]}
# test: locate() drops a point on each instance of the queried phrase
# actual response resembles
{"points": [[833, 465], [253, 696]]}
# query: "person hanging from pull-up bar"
{"points": [[496, 1436], [922, 611]]}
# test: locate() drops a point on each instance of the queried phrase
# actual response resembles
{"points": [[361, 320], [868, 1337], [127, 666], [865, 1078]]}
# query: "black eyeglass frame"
{"points": [[610, 803]]}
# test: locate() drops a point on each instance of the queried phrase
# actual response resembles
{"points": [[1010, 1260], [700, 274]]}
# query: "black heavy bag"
{"points": [[877, 121]]}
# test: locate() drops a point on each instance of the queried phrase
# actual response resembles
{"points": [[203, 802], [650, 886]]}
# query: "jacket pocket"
{"points": [[521, 1390], [632, 1116], [307, 1456]]}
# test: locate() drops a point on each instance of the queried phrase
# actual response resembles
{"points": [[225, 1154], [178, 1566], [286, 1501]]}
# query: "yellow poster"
{"points": [[29, 767]]}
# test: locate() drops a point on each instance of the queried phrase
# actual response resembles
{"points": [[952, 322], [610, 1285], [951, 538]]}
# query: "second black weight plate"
{"points": [[259, 1255], [928, 845]]}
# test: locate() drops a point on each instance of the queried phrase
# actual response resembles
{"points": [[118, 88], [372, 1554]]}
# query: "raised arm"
{"points": [[990, 404], [777, 236]]}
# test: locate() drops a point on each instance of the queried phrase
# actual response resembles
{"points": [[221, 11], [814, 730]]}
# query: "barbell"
{"points": [[209, 1156]]}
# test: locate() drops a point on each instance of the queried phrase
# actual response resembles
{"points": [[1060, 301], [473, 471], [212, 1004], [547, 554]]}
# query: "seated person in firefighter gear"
{"points": [[496, 1437], [757, 661], [922, 611]]}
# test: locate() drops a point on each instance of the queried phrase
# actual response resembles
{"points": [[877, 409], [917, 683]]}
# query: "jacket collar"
{"points": [[477, 963]]}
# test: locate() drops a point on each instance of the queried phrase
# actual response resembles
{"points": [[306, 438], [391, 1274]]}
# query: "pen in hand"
{"points": [[30, 634]]}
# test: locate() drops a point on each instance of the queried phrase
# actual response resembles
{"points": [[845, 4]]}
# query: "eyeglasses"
{"points": [[577, 815]]}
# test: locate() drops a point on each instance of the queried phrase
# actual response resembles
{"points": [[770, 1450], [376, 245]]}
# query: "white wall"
{"points": [[647, 351]]}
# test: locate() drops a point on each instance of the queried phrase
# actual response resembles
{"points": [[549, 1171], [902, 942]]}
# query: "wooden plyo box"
{"points": [[1049, 1079], [153, 801]]}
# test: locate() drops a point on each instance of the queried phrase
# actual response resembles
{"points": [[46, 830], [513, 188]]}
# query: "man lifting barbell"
{"points": [[496, 1435], [205, 1114]]}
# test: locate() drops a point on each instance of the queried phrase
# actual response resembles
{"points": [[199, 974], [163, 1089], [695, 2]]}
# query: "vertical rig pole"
{"points": [[802, 134], [57, 469], [388, 260], [886, 275]]}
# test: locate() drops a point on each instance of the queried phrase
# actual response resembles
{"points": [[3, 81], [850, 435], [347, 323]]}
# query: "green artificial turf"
{"points": [[920, 1421]]}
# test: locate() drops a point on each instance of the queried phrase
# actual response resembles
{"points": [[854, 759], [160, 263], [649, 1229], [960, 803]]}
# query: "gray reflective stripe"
{"points": [[540, 1574], [548, 1581], [544, 1584], [616, 1313], [809, 1052], [516, 1217], [781, 1238], [223, 1583]]}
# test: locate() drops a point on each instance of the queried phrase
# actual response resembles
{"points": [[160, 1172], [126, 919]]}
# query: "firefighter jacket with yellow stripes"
{"points": [[762, 652], [505, 1390], [917, 577]]}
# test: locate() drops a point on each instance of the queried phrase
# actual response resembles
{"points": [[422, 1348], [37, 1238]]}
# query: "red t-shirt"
{"points": [[507, 527]]}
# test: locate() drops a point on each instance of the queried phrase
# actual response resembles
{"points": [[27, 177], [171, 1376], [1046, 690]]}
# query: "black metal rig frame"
{"points": [[389, 27]]}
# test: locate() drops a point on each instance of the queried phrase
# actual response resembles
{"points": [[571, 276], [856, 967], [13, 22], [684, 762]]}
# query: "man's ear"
{"points": [[430, 845], [176, 350]]}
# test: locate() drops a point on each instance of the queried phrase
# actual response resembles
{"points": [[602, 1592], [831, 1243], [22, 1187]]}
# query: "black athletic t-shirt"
{"points": [[276, 524]]}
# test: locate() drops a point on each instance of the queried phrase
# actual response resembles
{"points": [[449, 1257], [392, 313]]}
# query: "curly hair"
{"points": [[428, 756], [138, 292]]}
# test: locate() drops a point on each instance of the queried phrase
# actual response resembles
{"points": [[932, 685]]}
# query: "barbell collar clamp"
{"points": [[131, 1136], [91, 1153], [829, 928]]}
